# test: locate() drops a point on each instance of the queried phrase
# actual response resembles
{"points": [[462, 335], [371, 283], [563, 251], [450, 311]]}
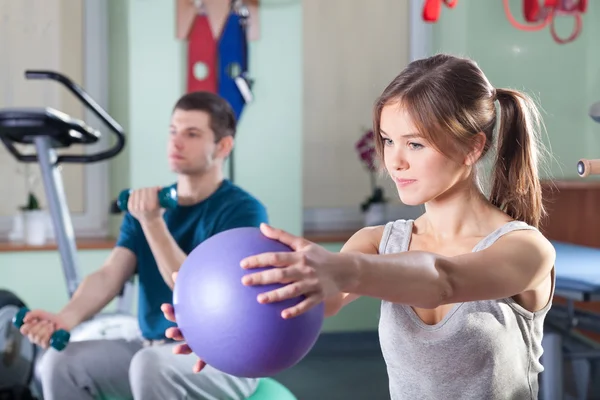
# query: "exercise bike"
{"points": [[48, 129]]}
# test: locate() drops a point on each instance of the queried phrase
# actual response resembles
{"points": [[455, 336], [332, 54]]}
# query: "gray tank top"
{"points": [[484, 350]]}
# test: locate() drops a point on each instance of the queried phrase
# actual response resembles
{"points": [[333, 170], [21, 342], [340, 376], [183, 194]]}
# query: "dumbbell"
{"points": [[59, 338], [588, 167], [167, 198]]}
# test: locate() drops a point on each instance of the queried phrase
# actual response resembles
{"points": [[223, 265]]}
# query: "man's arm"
{"points": [[167, 253], [170, 257], [99, 288], [144, 207]]}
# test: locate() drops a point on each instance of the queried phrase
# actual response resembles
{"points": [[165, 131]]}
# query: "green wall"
{"points": [[147, 71], [147, 76], [564, 79]]}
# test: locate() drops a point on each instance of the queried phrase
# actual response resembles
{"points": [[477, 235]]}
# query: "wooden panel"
{"points": [[574, 217], [573, 209], [573, 212]]}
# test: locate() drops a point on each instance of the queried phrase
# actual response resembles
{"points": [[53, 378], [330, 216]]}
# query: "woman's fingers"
{"points": [[302, 307], [273, 275], [286, 292], [295, 242], [277, 259]]}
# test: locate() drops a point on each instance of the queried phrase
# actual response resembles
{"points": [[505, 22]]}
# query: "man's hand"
{"points": [[143, 204], [39, 326]]}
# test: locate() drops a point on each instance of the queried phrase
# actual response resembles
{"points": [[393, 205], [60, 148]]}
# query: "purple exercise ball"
{"points": [[221, 319]]}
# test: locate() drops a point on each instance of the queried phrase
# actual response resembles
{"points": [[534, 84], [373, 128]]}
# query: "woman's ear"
{"points": [[478, 146]]}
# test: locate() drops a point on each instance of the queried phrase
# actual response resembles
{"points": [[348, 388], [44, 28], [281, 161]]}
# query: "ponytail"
{"points": [[515, 185]]}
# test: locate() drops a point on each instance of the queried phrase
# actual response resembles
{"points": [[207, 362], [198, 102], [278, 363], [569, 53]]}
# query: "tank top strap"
{"points": [[396, 236], [503, 230]]}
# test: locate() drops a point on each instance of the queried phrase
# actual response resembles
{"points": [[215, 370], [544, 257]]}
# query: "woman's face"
{"points": [[420, 172]]}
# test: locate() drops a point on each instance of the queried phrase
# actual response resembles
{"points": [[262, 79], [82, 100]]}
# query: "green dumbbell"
{"points": [[59, 338], [167, 198]]}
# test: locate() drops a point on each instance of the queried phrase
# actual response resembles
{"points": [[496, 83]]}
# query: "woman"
{"points": [[465, 287]]}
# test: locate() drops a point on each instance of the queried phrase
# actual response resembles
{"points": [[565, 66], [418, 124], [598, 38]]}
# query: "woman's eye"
{"points": [[415, 146]]}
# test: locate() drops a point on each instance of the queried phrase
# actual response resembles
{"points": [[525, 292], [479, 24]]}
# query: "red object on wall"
{"points": [[433, 8], [539, 14], [202, 57]]}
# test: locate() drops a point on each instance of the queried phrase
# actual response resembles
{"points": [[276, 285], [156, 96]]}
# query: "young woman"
{"points": [[465, 287]]}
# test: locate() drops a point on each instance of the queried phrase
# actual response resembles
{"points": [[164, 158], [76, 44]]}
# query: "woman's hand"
{"points": [[310, 270], [175, 334]]}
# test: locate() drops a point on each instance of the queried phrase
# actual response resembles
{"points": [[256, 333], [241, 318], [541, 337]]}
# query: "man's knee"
{"points": [[147, 365], [86, 367], [55, 365], [155, 372], [150, 374]]}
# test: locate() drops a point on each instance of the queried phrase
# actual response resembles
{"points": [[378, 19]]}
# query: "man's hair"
{"points": [[222, 117]]}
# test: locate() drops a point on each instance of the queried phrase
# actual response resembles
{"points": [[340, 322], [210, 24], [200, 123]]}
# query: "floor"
{"points": [[350, 367], [338, 377]]}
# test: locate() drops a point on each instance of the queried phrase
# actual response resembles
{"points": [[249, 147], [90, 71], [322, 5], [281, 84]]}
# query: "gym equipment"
{"points": [[577, 279], [234, 83], [48, 129], [270, 389], [202, 52], [167, 198], [221, 319], [544, 15], [595, 112], [588, 167], [433, 8], [17, 354]]}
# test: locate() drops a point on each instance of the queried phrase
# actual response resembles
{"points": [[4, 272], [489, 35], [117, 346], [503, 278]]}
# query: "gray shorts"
{"points": [[134, 369]]}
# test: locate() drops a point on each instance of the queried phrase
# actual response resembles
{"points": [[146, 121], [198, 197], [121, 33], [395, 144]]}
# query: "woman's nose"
{"points": [[399, 161]]}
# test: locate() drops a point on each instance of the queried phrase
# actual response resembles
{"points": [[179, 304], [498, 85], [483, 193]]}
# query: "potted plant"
{"points": [[34, 221], [374, 208], [32, 218]]}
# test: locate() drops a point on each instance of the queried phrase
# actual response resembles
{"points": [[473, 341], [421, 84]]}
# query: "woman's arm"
{"points": [[365, 241], [516, 263]]}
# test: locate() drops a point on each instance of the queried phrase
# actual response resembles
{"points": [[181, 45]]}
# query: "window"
{"points": [[70, 37]]}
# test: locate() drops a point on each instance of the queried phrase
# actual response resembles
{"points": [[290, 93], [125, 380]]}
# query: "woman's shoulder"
{"points": [[519, 234], [367, 236], [367, 239]]}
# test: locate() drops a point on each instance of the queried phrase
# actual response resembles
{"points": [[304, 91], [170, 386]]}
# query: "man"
{"points": [[154, 243]]}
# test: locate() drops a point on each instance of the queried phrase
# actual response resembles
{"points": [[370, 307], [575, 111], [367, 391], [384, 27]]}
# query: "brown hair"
{"points": [[222, 117], [450, 100]]}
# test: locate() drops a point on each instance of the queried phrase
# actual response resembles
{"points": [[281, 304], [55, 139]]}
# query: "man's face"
{"points": [[192, 149]]}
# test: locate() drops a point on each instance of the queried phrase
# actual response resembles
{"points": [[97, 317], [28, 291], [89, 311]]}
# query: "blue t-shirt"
{"points": [[227, 208]]}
